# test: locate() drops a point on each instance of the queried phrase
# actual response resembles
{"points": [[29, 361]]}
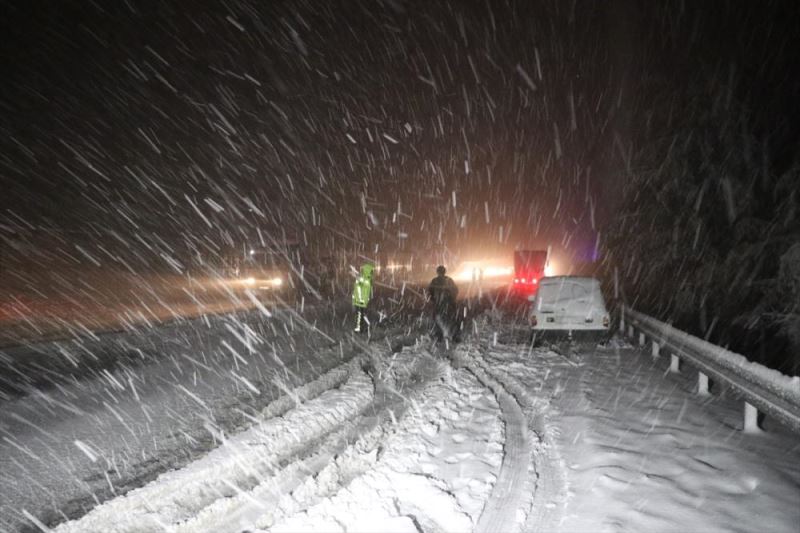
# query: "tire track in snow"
{"points": [[325, 469], [427, 476], [299, 434], [234, 467], [549, 483], [345, 453], [507, 499]]}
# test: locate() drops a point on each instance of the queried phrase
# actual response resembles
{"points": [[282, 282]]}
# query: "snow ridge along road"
{"points": [[434, 471], [235, 466], [402, 442], [153, 412], [770, 391]]}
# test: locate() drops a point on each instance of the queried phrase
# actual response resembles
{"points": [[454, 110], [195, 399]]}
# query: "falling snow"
{"points": [[188, 194]]}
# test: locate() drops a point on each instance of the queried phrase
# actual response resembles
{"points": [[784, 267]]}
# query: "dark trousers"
{"points": [[361, 319], [445, 322]]}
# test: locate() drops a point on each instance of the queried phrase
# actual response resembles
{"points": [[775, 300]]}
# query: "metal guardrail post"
{"points": [[674, 363], [702, 384], [622, 320], [751, 419], [764, 391], [630, 331], [642, 339]]}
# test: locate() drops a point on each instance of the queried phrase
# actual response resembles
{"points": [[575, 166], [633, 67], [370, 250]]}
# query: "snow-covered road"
{"points": [[404, 440], [85, 439], [491, 435], [623, 445]]}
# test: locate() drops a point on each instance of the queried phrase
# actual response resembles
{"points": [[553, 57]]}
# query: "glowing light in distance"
{"points": [[494, 272], [471, 270]]}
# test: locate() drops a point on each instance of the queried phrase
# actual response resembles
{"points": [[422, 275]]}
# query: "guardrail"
{"points": [[762, 389]]}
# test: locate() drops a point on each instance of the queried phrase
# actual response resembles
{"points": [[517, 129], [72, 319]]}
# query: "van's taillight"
{"points": [[605, 321], [534, 280]]}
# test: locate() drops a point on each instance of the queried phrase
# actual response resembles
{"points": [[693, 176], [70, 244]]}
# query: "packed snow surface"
{"points": [[641, 451], [604, 440]]}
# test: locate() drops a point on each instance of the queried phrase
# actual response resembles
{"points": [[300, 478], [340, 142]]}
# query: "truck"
{"points": [[529, 269]]}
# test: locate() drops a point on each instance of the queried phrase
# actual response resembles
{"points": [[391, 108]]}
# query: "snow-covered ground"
{"points": [[491, 435], [85, 439], [637, 450]]}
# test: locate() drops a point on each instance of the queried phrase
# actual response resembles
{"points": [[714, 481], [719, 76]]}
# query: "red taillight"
{"points": [[534, 280], [523, 280], [516, 280]]}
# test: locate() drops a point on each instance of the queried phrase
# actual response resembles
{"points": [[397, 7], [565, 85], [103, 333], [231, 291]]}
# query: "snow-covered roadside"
{"points": [[409, 442], [640, 451], [150, 414], [236, 466], [423, 450]]}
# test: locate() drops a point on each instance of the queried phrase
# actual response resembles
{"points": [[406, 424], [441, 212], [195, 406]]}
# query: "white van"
{"points": [[569, 308]]}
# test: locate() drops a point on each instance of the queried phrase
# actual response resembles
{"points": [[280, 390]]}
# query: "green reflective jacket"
{"points": [[362, 290]]}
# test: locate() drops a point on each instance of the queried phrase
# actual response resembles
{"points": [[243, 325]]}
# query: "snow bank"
{"points": [[235, 466], [767, 389], [786, 386], [417, 446]]}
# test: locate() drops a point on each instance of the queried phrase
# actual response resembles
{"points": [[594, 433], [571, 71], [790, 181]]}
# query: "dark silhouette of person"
{"points": [[443, 293]]}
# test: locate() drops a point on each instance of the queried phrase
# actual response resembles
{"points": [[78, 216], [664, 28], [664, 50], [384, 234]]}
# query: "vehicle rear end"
{"points": [[569, 308], [529, 269]]}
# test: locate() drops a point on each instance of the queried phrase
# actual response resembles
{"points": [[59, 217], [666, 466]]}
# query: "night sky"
{"points": [[171, 127]]}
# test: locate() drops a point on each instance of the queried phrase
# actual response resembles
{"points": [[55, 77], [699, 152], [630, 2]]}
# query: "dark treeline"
{"points": [[707, 230]]}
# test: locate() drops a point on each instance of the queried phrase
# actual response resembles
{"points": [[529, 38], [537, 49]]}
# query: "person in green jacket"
{"points": [[362, 292]]}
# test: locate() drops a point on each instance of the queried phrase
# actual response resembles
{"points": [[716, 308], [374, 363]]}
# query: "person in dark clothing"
{"points": [[442, 292]]}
